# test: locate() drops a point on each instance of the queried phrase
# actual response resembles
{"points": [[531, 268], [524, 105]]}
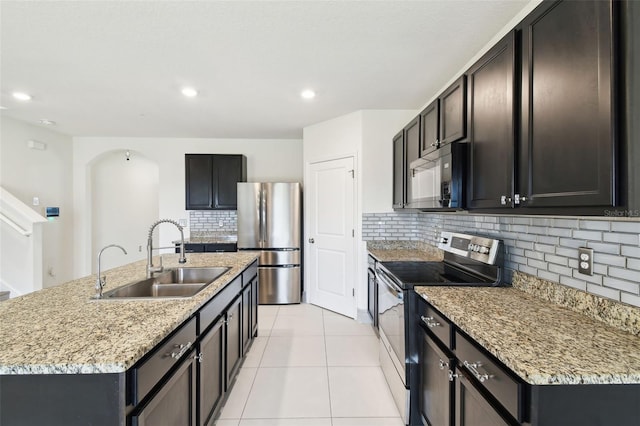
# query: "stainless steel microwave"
{"points": [[438, 179]]}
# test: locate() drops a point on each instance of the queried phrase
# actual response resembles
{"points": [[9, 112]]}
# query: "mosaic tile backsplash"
{"points": [[545, 247]]}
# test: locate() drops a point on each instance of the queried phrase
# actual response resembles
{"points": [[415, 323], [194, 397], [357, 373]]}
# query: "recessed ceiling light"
{"points": [[47, 122], [189, 92], [22, 96], [308, 94]]}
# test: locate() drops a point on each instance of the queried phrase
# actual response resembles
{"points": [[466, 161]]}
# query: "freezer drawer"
{"points": [[279, 285]]}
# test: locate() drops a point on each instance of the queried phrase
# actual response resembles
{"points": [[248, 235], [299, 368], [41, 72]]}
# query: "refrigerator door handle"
{"points": [[263, 217]]}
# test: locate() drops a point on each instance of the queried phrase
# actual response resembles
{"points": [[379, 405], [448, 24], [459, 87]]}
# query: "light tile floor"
{"points": [[310, 367]]}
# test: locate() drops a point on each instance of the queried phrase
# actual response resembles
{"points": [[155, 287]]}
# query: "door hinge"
{"points": [[353, 292], [353, 232], [353, 173]]}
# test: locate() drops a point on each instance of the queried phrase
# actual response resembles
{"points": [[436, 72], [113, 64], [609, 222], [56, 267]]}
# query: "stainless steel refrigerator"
{"points": [[269, 220]]}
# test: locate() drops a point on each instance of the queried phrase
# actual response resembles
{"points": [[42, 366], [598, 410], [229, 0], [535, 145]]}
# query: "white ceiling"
{"points": [[115, 68]]}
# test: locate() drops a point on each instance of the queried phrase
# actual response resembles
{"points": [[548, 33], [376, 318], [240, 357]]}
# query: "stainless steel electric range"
{"points": [[469, 260]]}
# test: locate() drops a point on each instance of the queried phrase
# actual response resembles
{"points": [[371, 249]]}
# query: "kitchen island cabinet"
{"points": [[84, 361]]}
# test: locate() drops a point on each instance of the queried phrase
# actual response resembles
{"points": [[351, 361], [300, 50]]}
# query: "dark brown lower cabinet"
{"points": [[234, 339], [255, 297], [211, 371], [175, 402], [472, 408], [436, 385], [246, 318]]}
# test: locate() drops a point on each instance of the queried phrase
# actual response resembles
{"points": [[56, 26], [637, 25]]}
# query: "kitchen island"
{"points": [[83, 361]]}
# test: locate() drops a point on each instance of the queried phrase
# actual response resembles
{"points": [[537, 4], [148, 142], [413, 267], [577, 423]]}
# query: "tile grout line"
{"points": [[326, 359]]}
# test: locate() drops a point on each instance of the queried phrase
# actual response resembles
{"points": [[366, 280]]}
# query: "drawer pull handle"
{"points": [[182, 349], [430, 322], [443, 364], [473, 368]]}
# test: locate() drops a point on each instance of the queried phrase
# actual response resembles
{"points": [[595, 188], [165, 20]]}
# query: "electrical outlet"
{"points": [[182, 222], [585, 261], [36, 201], [221, 224]]}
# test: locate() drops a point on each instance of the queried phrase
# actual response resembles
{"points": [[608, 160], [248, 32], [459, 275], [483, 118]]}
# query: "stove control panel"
{"points": [[475, 247]]}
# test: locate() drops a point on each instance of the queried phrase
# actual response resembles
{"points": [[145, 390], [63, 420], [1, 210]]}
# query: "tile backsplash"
{"points": [[210, 220], [542, 246]]}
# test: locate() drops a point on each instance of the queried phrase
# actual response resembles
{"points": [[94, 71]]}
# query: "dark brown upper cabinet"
{"points": [[453, 112], [399, 171], [430, 128], [491, 124], [568, 140], [412, 153], [444, 120], [211, 180]]}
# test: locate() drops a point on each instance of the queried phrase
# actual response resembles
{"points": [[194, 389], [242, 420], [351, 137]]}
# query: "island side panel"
{"points": [[62, 399]]}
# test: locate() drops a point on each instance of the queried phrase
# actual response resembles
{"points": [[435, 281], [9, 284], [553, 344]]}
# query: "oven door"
{"points": [[391, 320]]}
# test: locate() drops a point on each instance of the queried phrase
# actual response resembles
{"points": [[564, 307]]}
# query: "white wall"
{"points": [[378, 128], [47, 174], [365, 135], [125, 203], [267, 159]]}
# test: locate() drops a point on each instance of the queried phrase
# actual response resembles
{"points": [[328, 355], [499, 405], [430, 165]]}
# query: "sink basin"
{"points": [[178, 282]]}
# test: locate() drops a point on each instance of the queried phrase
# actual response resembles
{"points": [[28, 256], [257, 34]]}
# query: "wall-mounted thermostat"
{"points": [[53, 212]]}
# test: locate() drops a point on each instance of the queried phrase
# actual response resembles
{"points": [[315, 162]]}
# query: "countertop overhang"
{"points": [[62, 330]]}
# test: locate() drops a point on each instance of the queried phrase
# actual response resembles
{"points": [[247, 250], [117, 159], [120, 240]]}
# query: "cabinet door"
{"points": [[399, 171], [234, 339], [471, 407], [491, 127], [436, 390], [198, 189], [228, 170], [453, 112], [567, 151], [255, 297], [412, 153], [175, 402], [430, 128], [211, 372], [246, 318]]}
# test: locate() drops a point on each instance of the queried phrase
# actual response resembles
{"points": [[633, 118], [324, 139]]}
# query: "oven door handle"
{"points": [[390, 285]]}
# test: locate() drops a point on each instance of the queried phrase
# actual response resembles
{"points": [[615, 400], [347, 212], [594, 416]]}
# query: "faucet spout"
{"points": [[101, 281], [150, 268]]}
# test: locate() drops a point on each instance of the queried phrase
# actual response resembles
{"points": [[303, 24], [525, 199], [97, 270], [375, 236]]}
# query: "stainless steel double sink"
{"points": [[171, 283]]}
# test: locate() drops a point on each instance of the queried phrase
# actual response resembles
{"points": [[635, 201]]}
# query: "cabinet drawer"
{"points": [[216, 306], [433, 321], [220, 247], [161, 359], [493, 377], [249, 273]]}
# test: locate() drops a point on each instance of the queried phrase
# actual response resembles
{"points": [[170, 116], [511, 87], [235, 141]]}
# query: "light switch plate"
{"points": [[585, 261]]}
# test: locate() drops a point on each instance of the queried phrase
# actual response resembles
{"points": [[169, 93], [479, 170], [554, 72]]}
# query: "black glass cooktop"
{"points": [[409, 274]]}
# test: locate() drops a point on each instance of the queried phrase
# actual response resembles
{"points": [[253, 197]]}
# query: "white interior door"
{"points": [[330, 236]]}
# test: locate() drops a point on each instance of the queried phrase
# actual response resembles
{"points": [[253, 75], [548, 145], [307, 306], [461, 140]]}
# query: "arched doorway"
{"points": [[124, 203]]}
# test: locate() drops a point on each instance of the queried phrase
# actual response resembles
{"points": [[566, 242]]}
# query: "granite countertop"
{"points": [[61, 330], [542, 342], [210, 239], [391, 251]]}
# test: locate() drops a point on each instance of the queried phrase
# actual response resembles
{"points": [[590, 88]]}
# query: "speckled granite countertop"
{"points": [[542, 342], [390, 251], [61, 330]]}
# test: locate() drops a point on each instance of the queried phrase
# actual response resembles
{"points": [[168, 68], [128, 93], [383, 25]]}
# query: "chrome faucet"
{"points": [[150, 268], [101, 281]]}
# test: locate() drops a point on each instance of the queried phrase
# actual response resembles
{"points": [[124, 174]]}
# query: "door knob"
{"points": [[311, 240]]}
